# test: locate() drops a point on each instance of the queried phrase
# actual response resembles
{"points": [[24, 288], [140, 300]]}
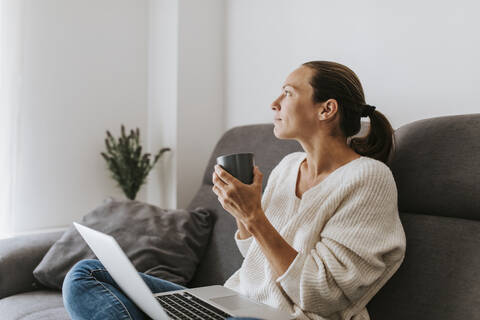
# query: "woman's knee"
{"points": [[87, 266], [81, 270], [74, 283]]}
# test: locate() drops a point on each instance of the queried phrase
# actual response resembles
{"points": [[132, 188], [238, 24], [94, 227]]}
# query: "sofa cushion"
{"points": [[440, 276], [18, 257], [163, 243], [436, 166], [34, 305]]}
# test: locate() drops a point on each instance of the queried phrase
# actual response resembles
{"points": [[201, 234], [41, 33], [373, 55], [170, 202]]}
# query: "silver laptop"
{"points": [[211, 302]]}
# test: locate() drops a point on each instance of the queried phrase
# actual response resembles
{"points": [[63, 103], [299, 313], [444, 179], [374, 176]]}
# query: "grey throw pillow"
{"points": [[163, 243]]}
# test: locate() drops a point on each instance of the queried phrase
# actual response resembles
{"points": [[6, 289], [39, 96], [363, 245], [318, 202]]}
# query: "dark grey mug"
{"points": [[239, 165]]}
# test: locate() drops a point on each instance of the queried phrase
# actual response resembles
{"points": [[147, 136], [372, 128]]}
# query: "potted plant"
{"points": [[126, 163]]}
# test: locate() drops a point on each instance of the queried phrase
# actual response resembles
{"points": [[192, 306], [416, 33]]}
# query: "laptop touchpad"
{"points": [[234, 302]]}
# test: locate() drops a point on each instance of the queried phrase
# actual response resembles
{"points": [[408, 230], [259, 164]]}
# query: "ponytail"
{"points": [[379, 141]]}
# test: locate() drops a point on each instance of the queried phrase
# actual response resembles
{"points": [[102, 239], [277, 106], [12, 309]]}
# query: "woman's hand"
{"points": [[243, 201]]}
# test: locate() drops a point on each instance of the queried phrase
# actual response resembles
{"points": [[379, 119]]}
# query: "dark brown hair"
{"points": [[333, 80]]}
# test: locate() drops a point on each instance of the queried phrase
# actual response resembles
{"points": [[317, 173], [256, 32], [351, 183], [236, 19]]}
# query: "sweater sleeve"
{"points": [[359, 249], [243, 244]]}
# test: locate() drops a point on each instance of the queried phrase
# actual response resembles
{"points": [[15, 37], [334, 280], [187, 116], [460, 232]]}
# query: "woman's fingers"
{"points": [[217, 181]]}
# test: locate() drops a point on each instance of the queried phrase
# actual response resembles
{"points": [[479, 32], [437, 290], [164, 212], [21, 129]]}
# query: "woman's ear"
{"points": [[327, 109]]}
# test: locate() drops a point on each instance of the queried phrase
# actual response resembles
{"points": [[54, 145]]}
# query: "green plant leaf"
{"points": [[128, 167]]}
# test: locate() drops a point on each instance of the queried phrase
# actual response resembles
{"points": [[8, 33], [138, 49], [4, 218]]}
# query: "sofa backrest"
{"points": [[436, 167]]}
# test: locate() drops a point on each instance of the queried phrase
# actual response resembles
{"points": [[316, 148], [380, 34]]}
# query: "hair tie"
{"points": [[367, 110]]}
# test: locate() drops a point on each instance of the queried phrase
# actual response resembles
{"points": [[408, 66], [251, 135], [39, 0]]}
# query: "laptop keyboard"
{"points": [[185, 306]]}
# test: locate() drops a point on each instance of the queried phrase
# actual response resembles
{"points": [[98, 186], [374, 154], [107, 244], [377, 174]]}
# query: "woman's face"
{"points": [[295, 111]]}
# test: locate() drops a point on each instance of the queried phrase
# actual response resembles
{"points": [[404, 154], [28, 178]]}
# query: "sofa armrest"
{"points": [[19, 256]]}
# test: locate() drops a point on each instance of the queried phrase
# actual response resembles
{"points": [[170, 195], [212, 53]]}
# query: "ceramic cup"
{"points": [[239, 165]]}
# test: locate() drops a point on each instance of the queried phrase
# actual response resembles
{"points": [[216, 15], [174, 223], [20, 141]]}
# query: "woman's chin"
{"points": [[278, 133]]}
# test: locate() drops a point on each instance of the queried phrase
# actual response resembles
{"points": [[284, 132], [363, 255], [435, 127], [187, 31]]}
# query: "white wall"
{"points": [[184, 71], [162, 100], [90, 66], [186, 84], [200, 90], [415, 59], [84, 71]]}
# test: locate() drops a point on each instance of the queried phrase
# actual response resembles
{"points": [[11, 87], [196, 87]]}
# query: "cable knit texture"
{"points": [[348, 234]]}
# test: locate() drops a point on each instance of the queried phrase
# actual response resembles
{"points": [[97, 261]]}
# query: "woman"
{"points": [[326, 235]]}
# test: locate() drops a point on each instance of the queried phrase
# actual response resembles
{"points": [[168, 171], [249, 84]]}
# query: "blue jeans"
{"points": [[89, 292]]}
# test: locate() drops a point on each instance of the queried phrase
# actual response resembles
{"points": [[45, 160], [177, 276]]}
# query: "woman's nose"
{"points": [[275, 104]]}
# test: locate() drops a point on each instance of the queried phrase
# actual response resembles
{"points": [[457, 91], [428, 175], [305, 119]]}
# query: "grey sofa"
{"points": [[436, 166]]}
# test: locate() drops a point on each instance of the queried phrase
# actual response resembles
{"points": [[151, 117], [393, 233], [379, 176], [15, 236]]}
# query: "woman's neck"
{"points": [[325, 156]]}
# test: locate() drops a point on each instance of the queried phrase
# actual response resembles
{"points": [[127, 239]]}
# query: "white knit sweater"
{"points": [[347, 232]]}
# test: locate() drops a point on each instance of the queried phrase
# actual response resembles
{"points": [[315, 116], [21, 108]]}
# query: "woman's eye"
{"points": [[288, 93]]}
